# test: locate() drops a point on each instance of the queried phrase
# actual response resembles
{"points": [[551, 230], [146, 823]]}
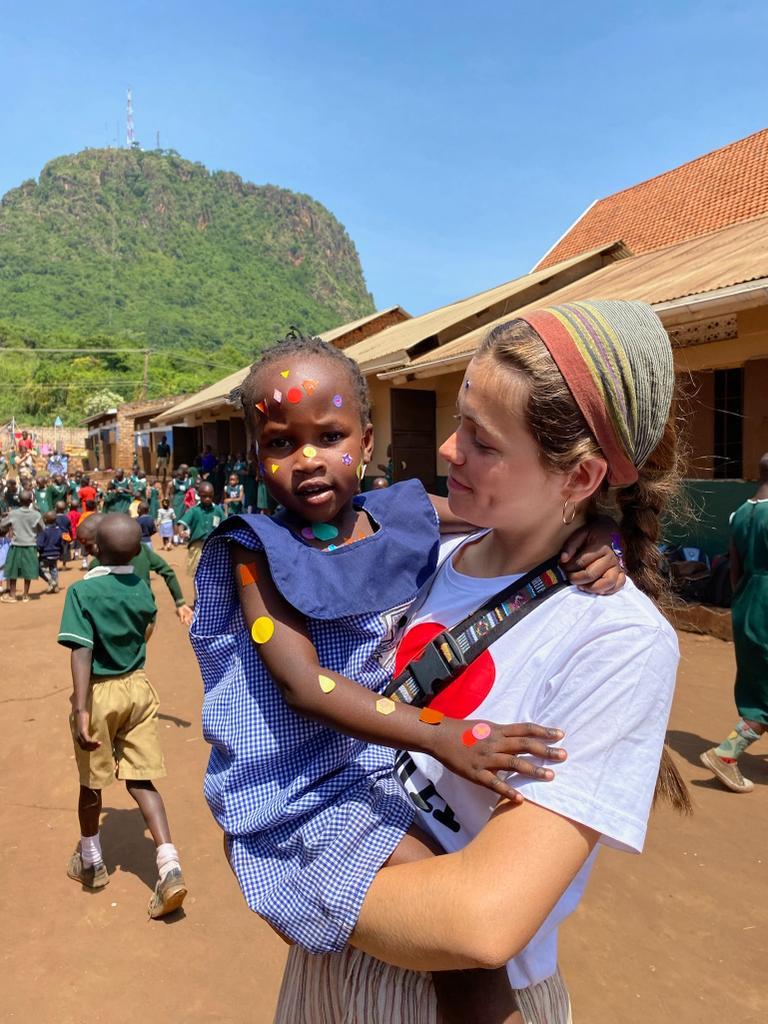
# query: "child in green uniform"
{"points": [[108, 617], [749, 612], [198, 522], [233, 496], [22, 562], [57, 490], [41, 495]]}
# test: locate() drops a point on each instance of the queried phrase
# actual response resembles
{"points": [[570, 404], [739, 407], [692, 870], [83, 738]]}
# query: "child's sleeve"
{"points": [[76, 629]]}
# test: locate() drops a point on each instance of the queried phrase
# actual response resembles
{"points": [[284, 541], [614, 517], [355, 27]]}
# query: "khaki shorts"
{"points": [[162, 462], [194, 550], [124, 718]]}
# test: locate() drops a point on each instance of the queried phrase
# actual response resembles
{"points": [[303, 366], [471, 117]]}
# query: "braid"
{"points": [[297, 344]]}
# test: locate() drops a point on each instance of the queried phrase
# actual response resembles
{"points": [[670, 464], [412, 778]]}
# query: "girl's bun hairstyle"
{"points": [[565, 438]]}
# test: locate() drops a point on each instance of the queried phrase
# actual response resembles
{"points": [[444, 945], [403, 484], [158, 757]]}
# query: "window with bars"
{"points": [[729, 420]]}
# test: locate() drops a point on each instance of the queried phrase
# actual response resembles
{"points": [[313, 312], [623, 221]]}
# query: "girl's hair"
{"points": [[564, 439], [295, 343]]}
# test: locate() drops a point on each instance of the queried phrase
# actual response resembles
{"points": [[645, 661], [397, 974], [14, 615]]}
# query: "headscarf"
{"points": [[616, 359]]}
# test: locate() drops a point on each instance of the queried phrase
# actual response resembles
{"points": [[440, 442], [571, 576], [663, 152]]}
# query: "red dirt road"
{"points": [[675, 935]]}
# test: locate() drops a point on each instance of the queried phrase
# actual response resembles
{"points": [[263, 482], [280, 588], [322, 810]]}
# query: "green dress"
{"points": [[749, 610], [154, 502], [180, 488]]}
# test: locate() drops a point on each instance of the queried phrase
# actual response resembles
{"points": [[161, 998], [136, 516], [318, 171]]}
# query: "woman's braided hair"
{"points": [[564, 439], [295, 343]]}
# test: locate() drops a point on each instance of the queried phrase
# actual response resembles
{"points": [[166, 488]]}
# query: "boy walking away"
{"points": [[50, 544], [108, 617], [22, 563], [146, 524], [200, 521], [749, 612]]}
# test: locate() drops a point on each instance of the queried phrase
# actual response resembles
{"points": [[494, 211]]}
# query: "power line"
{"points": [[133, 351], [79, 384]]}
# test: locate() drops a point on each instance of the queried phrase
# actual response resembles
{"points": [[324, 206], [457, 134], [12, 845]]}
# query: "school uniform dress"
{"points": [[179, 489], [234, 508], [22, 561], [310, 814], [749, 610]]}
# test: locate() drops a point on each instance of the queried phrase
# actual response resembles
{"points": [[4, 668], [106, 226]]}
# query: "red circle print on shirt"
{"points": [[468, 691]]}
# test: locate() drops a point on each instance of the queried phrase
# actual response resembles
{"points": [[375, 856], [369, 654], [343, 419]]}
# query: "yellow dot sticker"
{"points": [[285, 373], [274, 467], [326, 684], [385, 706], [308, 451], [262, 630]]}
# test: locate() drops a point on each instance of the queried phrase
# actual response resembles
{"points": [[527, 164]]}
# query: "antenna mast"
{"points": [[129, 134]]}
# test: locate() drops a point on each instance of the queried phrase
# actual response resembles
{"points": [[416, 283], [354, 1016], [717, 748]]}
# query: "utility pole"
{"points": [[129, 133], [145, 380]]}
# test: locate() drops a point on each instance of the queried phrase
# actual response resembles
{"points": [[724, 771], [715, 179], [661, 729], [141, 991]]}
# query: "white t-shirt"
{"points": [[600, 668]]}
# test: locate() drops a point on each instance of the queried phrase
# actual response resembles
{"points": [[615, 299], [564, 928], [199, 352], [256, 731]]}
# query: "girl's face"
{"points": [[311, 445], [496, 475], [233, 480]]}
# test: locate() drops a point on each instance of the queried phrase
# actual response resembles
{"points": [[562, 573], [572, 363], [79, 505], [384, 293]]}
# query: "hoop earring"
{"points": [[567, 522]]}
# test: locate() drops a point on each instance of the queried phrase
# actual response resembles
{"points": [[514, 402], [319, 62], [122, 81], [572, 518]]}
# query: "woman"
{"points": [[554, 410]]}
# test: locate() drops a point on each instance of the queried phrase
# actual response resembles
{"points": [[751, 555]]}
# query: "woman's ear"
{"points": [[583, 481]]}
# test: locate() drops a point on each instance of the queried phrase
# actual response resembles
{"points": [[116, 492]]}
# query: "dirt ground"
{"points": [[675, 935]]}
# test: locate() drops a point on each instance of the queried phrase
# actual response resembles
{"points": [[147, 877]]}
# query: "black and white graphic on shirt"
{"points": [[422, 798], [394, 622]]}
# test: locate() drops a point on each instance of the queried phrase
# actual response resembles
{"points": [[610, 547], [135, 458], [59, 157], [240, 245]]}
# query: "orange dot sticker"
{"points": [[431, 716], [274, 467], [309, 385], [262, 630], [468, 739], [294, 396], [248, 574], [385, 706], [326, 683]]}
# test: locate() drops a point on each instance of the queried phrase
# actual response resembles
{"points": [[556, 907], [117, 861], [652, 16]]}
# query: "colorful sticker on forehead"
{"points": [[263, 407], [310, 385], [338, 401], [277, 395], [294, 396], [285, 373]]}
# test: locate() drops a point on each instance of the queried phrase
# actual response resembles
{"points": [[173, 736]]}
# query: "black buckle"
{"points": [[440, 662]]}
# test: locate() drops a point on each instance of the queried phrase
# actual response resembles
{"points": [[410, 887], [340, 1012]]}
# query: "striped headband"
{"points": [[616, 359]]}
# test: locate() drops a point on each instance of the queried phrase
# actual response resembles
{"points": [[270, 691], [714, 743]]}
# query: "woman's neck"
{"points": [[507, 553]]}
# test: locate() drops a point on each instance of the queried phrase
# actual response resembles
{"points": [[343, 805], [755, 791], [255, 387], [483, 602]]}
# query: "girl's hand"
{"points": [[477, 750], [593, 557]]}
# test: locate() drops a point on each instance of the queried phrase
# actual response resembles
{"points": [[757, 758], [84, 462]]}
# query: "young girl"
{"points": [[299, 778], [165, 520], [233, 496]]}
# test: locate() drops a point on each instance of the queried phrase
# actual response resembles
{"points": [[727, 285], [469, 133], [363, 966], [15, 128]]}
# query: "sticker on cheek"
{"points": [[309, 386], [308, 451], [277, 395], [481, 731], [274, 467], [346, 458], [326, 683], [385, 706], [262, 630], [248, 574], [338, 401], [294, 396], [431, 716]]}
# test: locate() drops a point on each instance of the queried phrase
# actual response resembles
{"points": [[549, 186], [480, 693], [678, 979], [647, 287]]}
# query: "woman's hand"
{"points": [[593, 557], [477, 750]]}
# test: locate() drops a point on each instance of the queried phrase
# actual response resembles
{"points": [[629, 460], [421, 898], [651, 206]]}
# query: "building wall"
{"points": [[755, 414]]}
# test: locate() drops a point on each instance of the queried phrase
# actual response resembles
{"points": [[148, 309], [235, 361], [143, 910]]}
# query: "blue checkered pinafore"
{"points": [[310, 814]]}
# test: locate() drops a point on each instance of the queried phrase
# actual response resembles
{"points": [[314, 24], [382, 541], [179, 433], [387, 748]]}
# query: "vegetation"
{"points": [[125, 249]]}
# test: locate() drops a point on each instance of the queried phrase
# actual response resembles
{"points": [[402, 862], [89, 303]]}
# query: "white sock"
{"points": [[90, 850], [167, 859]]}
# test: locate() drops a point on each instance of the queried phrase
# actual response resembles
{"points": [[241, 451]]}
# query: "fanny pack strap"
{"points": [[446, 657]]}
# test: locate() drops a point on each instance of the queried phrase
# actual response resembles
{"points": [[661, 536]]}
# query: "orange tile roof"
{"points": [[726, 186]]}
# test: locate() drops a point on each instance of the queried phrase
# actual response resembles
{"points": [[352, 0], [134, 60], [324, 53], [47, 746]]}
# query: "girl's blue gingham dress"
{"points": [[310, 814]]}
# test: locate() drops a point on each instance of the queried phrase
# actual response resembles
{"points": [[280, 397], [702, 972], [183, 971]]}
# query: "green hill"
{"points": [[122, 248]]}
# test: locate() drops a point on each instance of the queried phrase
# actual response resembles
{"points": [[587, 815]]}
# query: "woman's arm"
{"points": [[321, 694], [478, 907]]}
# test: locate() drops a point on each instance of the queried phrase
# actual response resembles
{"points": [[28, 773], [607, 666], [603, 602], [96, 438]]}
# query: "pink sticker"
{"points": [[481, 731], [307, 534], [277, 395], [338, 401]]}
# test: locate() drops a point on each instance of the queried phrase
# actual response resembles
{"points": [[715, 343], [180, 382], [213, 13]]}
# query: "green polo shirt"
{"points": [[109, 614], [201, 521], [56, 492], [149, 561]]}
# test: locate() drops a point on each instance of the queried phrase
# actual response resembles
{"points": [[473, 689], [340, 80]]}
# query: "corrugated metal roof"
{"points": [[217, 393], [724, 187], [731, 256], [440, 326]]}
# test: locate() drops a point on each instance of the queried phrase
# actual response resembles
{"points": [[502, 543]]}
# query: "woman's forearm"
{"points": [[478, 907]]}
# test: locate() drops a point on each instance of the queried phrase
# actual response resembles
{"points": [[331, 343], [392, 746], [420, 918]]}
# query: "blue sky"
{"points": [[455, 141]]}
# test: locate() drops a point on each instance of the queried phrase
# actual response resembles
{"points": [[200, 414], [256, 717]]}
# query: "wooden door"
{"points": [[414, 440]]}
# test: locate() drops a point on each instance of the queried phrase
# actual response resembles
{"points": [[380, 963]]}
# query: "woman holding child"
{"points": [[559, 409]]}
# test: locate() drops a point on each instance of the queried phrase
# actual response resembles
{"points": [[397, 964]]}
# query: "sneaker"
{"points": [[726, 771], [93, 877], [168, 895], [6, 598], [25, 599]]}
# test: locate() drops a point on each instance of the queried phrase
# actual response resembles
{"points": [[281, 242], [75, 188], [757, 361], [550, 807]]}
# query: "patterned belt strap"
{"points": [[446, 657]]}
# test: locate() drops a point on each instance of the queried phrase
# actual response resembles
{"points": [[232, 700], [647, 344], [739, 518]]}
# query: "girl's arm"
{"points": [[485, 902], [325, 696]]}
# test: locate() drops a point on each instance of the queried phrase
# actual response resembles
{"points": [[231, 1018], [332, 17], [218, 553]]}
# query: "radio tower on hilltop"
{"points": [[129, 134]]}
